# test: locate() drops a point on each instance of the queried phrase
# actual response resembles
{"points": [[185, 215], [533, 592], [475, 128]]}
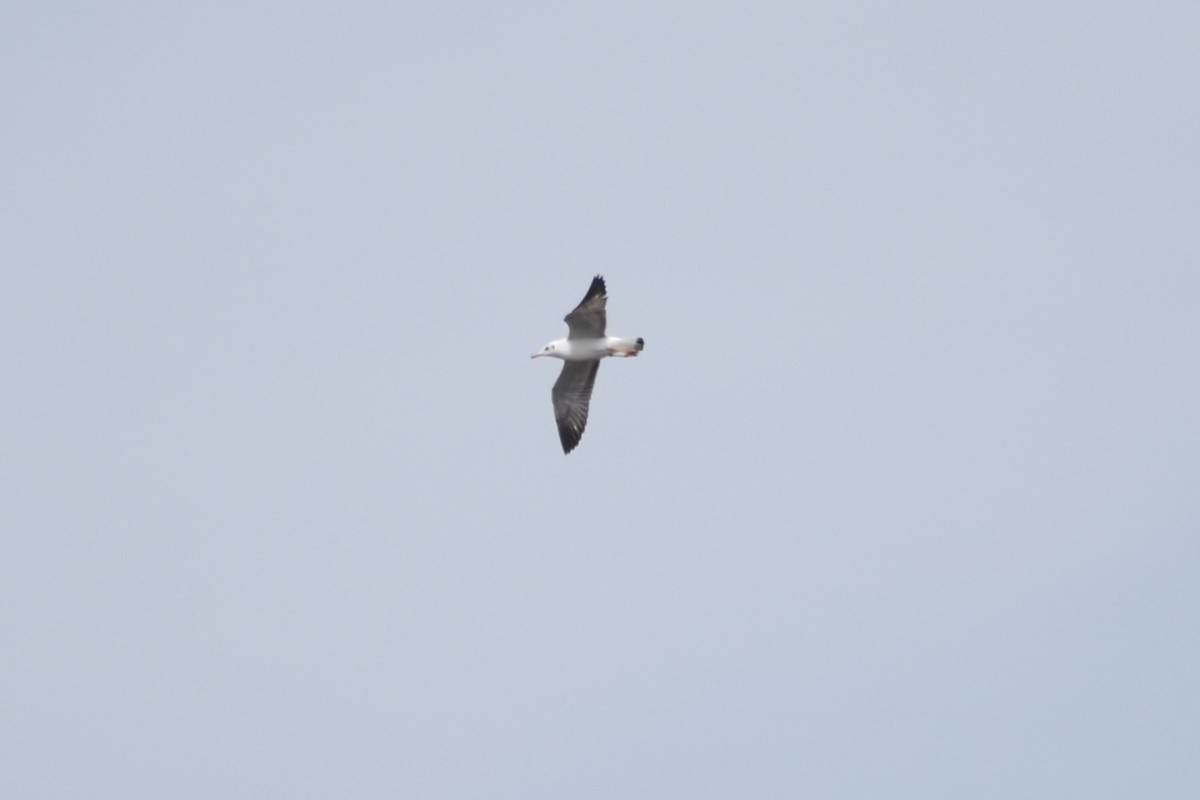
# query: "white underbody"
{"points": [[590, 349]]}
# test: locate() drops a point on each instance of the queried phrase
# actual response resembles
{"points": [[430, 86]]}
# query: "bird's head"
{"points": [[553, 350]]}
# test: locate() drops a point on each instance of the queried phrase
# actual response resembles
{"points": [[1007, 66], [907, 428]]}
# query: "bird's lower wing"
{"points": [[571, 395]]}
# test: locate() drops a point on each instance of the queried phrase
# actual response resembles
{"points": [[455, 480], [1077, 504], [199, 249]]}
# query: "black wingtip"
{"points": [[597, 289], [569, 438]]}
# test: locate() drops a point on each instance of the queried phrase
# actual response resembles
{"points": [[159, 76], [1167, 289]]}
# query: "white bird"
{"points": [[581, 352]]}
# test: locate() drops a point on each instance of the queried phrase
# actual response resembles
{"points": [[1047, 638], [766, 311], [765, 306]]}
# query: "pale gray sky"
{"points": [[901, 500]]}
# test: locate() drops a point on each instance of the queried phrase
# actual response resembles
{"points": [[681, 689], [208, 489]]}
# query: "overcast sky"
{"points": [[902, 499]]}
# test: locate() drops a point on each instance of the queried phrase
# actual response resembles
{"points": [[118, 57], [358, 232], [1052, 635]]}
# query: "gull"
{"points": [[581, 352]]}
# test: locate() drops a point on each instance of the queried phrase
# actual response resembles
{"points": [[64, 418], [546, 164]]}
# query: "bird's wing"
{"points": [[588, 320], [571, 395]]}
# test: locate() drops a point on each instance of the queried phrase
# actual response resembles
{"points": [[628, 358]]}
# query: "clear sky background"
{"points": [[901, 500]]}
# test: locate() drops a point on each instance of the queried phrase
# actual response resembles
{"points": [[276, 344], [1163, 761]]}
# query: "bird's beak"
{"points": [[535, 355]]}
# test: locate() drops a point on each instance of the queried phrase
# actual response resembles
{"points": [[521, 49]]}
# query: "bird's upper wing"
{"points": [[588, 320], [571, 395]]}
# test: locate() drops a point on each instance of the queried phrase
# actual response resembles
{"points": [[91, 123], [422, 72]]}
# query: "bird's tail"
{"points": [[626, 347]]}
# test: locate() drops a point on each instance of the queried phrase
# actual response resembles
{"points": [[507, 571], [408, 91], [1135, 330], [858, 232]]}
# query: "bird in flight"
{"points": [[581, 352]]}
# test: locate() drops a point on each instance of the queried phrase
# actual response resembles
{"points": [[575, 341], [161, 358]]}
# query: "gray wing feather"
{"points": [[589, 319], [572, 394]]}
